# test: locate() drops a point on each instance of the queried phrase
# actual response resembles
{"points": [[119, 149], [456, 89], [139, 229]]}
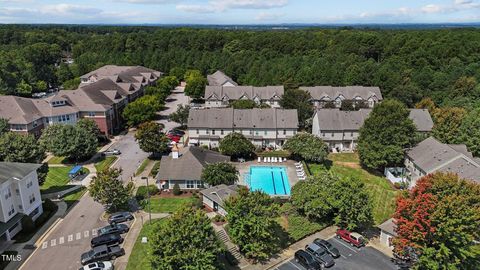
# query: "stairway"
{"points": [[232, 248]]}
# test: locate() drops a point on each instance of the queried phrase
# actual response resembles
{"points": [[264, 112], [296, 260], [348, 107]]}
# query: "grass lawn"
{"points": [[106, 162], [155, 168], [139, 260], [166, 205], [142, 166], [57, 180], [380, 189], [56, 160], [75, 196], [344, 157]]}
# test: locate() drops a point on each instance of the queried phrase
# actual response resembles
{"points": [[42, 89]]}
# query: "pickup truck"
{"points": [[102, 253], [352, 238]]}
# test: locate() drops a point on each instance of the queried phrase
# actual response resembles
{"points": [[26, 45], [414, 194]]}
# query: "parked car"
{"points": [[105, 265], [307, 260], [120, 217], [176, 132], [113, 229], [329, 247], [106, 239], [320, 254], [111, 152], [174, 138], [102, 253], [355, 239]]}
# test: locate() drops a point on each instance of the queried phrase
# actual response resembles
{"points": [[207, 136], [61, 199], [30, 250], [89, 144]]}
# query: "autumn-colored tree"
{"points": [[447, 123], [427, 103]]}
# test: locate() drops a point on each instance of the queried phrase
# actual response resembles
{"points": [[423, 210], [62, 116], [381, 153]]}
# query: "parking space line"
{"points": [[44, 245], [294, 265], [94, 232], [345, 245], [86, 233], [70, 238], [78, 236], [53, 242], [61, 240]]}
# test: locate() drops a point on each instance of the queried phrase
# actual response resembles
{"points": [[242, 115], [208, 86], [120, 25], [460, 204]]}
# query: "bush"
{"points": [[142, 192], [176, 190], [49, 206], [27, 224], [219, 218]]}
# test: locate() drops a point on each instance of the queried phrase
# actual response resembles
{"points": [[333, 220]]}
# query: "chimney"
{"points": [[175, 151]]}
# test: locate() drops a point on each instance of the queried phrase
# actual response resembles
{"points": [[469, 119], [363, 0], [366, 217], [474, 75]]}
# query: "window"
{"points": [[265, 132], [8, 194], [323, 134], [29, 184], [333, 134], [198, 131], [284, 132], [221, 131], [11, 211], [91, 114], [257, 133], [20, 207], [17, 191], [351, 134], [31, 198], [190, 184], [251, 132], [35, 123], [213, 131], [208, 132], [199, 184]]}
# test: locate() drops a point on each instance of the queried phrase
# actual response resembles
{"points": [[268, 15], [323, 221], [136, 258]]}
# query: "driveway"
{"points": [[351, 259], [176, 98], [71, 237]]}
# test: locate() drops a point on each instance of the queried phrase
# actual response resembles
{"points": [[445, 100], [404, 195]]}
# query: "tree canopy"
{"points": [[151, 139], [236, 145], [470, 131], [15, 147], [385, 134], [301, 101], [307, 146], [108, 189], [219, 173], [181, 114], [142, 110]]}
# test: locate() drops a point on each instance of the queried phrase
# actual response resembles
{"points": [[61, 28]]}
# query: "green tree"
{"points": [[71, 84], [469, 131], [4, 126], [90, 126], [301, 101], [108, 189], [252, 225], [24, 89], [385, 134], [243, 104], [180, 115], [447, 122], [64, 73], [16, 147], [219, 173], [178, 72], [151, 139], [307, 146], [236, 145], [141, 110], [195, 87], [185, 241], [42, 173]]}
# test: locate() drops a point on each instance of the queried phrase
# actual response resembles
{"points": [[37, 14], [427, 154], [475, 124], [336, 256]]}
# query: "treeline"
{"points": [[407, 64]]}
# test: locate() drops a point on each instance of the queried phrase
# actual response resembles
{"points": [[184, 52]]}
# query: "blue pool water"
{"points": [[271, 180]]}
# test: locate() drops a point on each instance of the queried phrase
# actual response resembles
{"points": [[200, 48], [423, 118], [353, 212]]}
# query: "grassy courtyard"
{"points": [[166, 205], [139, 259], [380, 189], [57, 180]]}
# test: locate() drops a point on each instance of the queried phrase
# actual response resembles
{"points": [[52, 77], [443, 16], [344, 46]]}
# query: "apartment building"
{"points": [[222, 96], [263, 127], [220, 79], [321, 95], [19, 196], [340, 129], [101, 96]]}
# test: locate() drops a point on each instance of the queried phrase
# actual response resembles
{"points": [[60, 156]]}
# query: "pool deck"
{"points": [[289, 165]]}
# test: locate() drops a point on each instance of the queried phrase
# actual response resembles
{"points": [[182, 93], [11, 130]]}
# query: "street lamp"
{"points": [[148, 197]]}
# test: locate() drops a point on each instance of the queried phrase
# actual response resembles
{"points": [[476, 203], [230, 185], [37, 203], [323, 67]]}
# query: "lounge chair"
{"points": [[299, 169], [265, 159], [274, 159], [259, 159], [268, 159], [298, 163], [301, 173]]}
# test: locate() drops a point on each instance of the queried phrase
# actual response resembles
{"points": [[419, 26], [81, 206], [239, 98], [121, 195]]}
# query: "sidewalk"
{"points": [[37, 237], [60, 194]]}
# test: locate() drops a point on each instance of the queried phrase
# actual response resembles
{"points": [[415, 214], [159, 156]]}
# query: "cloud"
{"points": [[148, 2], [432, 8], [457, 5], [267, 16], [223, 5], [65, 9]]}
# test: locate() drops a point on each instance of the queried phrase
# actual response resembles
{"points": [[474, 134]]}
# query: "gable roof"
{"points": [[422, 119], [12, 170], [389, 226], [229, 118], [431, 155], [189, 165], [18, 110], [349, 92], [219, 78], [128, 74], [220, 193], [238, 92]]}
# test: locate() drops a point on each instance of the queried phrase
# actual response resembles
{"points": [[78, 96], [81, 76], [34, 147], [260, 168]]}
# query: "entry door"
{"points": [[215, 206]]}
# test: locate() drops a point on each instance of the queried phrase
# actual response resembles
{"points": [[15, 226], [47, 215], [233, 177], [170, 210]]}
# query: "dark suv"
{"points": [[113, 229], [320, 254], [106, 239], [329, 247], [306, 260], [102, 253], [120, 217]]}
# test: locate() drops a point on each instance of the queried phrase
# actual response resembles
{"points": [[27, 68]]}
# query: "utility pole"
{"points": [[148, 198]]}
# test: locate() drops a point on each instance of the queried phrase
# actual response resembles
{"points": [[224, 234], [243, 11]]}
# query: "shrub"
{"points": [[219, 218], [27, 224], [176, 190], [49, 206], [142, 192]]}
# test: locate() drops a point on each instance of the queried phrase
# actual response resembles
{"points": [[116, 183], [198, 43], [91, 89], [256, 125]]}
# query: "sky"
{"points": [[238, 11]]}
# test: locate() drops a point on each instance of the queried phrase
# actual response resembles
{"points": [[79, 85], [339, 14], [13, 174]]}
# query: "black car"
{"points": [[176, 132], [320, 254], [106, 239], [307, 260], [120, 217], [102, 253], [113, 229], [329, 247]]}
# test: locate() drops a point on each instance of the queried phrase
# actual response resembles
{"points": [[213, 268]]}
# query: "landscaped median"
{"points": [[105, 162]]}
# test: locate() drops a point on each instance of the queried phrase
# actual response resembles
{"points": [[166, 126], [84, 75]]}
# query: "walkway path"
{"points": [[60, 194]]}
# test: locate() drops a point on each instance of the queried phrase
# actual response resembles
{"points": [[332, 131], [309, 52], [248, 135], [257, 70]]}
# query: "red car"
{"points": [[355, 239], [174, 138]]}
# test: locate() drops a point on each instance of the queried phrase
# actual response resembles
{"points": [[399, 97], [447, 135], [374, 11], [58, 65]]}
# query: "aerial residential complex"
{"points": [[221, 96], [19, 196], [321, 95], [220, 79], [263, 127], [101, 96]]}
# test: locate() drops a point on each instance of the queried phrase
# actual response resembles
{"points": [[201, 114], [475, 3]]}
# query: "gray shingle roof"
{"points": [[124, 73], [249, 92], [18, 110], [189, 165], [388, 226], [219, 78], [422, 119], [349, 92], [229, 118], [10, 170], [220, 193], [431, 155]]}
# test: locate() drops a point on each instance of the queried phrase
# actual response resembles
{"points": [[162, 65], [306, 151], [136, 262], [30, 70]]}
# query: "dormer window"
{"points": [[57, 103]]}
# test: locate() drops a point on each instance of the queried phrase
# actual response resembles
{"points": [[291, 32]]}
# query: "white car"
{"points": [[106, 265]]}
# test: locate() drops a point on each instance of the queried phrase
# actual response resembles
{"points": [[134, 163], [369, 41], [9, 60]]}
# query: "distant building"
{"points": [[215, 197], [321, 95], [220, 79], [340, 129], [222, 96], [263, 127], [387, 233], [101, 96], [430, 156], [184, 167], [19, 196]]}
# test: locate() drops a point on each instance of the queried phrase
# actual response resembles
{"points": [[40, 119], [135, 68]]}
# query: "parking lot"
{"points": [[351, 258]]}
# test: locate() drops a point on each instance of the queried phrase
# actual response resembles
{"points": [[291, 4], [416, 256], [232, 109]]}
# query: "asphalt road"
{"points": [[366, 258], [176, 98], [71, 237]]}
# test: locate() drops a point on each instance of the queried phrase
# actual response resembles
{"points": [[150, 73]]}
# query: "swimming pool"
{"points": [[271, 180]]}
